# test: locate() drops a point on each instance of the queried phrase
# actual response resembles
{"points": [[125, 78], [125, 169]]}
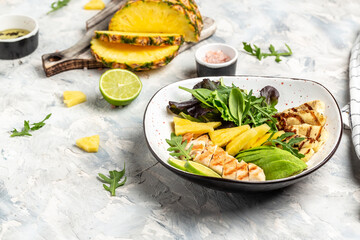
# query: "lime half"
{"points": [[200, 169], [119, 87]]}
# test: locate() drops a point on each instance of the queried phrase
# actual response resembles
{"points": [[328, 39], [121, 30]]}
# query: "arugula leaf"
{"points": [[24, 131], [287, 146], [114, 180], [57, 5], [27, 128], [39, 125], [178, 148], [256, 51]]}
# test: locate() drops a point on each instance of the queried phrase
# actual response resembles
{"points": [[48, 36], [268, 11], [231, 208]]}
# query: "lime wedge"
{"points": [[200, 169], [179, 164], [119, 87]]}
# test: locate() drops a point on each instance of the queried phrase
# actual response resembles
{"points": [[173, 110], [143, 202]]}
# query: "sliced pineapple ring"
{"points": [[135, 58], [140, 39], [158, 16], [183, 126], [222, 137], [89, 144], [72, 98]]}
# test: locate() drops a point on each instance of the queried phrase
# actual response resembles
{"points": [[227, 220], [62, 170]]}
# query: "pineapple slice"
{"points": [[222, 137], [72, 98], [95, 5], [134, 58], [159, 16], [239, 142], [263, 139], [89, 144], [140, 39], [183, 126], [260, 132]]}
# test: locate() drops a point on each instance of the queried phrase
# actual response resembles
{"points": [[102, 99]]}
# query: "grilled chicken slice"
{"points": [[205, 157], [316, 105], [188, 137], [290, 118], [242, 171], [198, 145], [255, 173], [229, 170], [217, 161]]}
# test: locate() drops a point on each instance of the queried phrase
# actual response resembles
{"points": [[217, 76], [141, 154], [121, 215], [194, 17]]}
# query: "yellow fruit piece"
{"points": [[222, 137], [239, 142], [260, 132], [183, 126], [72, 98], [159, 16], [94, 5], [264, 138], [89, 144]]}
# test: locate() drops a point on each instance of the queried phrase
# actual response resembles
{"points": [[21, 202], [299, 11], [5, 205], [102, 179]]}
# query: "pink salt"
{"points": [[217, 56]]}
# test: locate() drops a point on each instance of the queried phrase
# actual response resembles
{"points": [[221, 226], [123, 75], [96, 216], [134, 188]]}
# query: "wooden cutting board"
{"points": [[79, 55]]}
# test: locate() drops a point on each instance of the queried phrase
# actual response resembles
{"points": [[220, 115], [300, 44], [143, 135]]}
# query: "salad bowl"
{"points": [[293, 92]]}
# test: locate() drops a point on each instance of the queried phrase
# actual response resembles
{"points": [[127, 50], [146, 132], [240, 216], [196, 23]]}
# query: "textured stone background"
{"points": [[49, 189]]}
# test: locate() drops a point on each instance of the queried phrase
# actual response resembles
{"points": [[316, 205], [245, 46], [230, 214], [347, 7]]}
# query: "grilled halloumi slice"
{"points": [[308, 152], [256, 173], [242, 171], [318, 133], [306, 143], [198, 145], [316, 105], [217, 161], [300, 117], [205, 157], [229, 170]]}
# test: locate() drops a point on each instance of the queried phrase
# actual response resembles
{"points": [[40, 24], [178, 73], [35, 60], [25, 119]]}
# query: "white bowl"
{"points": [[293, 92]]}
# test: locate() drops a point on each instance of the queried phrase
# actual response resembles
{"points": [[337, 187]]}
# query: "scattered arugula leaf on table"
{"points": [[177, 147], [114, 180], [26, 129], [287, 146], [256, 51], [57, 5]]}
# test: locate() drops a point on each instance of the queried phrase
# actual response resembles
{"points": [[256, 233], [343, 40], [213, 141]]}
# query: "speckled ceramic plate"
{"points": [[293, 92]]}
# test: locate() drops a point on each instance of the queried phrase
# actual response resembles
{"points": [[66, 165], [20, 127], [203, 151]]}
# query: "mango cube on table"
{"points": [[72, 98], [89, 144]]}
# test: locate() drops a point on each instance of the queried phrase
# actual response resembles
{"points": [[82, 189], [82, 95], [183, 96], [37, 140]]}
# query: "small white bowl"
{"points": [[22, 46], [216, 69]]}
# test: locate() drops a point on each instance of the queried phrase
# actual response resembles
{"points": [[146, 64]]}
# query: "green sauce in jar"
{"points": [[13, 33]]}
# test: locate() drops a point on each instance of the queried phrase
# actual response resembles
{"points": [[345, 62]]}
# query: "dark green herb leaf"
{"points": [[177, 147], [57, 5], [114, 180]]}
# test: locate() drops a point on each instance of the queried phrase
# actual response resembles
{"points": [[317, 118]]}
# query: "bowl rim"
{"points": [[267, 182], [216, 65], [30, 34]]}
